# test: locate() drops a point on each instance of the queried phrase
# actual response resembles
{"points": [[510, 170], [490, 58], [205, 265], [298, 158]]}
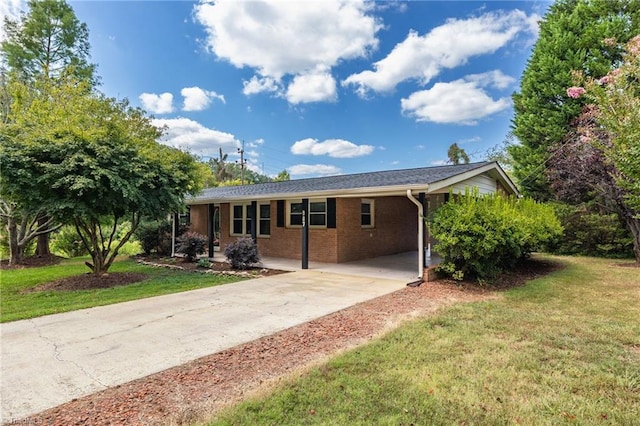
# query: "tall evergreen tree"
{"points": [[571, 39], [47, 41]]}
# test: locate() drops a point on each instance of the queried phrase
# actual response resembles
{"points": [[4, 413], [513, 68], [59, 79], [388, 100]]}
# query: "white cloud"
{"points": [[469, 140], [461, 101], [439, 163], [495, 78], [279, 39], [307, 88], [447, 46], [313, 169], [10, 9], [336, 148], [197, 99], [157, 104], [261, 84], [190, 135]]}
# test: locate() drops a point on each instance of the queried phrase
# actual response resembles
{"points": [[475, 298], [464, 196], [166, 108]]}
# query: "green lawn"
{"points": [[564, 349], [15, 304]]}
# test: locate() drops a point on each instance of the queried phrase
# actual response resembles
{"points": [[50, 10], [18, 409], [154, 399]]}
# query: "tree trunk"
{"points": [[43, 240], [634, 226], [15, 250]]}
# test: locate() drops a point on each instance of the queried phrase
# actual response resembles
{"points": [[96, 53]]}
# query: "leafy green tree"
{"points": [[457, 155], [90, 161], [282, 176], [571, 38], [48, 41]]}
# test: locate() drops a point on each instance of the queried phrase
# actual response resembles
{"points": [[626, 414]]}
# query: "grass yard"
{"points": [[15, 304], [564, 349]]}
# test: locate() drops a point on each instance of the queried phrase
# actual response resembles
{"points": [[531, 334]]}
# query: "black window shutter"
{"points": [[280, 214], [331, 212]]}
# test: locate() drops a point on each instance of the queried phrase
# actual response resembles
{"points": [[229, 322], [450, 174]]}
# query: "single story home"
{"points": [[339, 218]]}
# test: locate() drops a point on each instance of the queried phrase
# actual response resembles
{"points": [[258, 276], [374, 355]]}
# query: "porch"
{"points": [[402, 266]]}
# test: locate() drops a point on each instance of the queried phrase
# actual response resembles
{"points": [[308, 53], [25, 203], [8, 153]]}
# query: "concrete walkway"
{"points": [[50, 360]]}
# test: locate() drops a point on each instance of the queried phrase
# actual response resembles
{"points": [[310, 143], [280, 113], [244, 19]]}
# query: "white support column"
{"points": [[420, 233]]}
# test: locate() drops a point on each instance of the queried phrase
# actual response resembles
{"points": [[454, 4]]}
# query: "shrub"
{"points": [[480, 236], [191, 244], [66, 242], [591, 233], [242, 253], [203, 263], [155, 236]]}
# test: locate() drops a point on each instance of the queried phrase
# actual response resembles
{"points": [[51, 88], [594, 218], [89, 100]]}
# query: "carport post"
{"points": [[210, 230], [305, 233]]}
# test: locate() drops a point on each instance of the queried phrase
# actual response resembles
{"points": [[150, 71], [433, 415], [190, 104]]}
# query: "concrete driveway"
{"points": [[50, 360]]}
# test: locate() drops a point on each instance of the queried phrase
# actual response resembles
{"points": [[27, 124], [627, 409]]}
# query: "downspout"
{"points": [[420, 233]]}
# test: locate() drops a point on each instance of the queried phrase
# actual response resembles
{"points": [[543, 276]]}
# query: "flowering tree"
{"points": [[617, 96], [606, 138]]}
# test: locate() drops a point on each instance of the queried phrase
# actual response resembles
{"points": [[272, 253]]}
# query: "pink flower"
{"points": [[585, 139], [605, 80], [575, 92], [633, 46]]}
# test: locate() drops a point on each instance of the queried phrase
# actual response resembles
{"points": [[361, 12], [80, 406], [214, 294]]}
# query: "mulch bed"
{"points": [[90, 281], [215, 266], [32, 262]]}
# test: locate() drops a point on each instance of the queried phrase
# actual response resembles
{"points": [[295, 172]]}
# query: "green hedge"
{"points": [[480, 236], [589, 232]]}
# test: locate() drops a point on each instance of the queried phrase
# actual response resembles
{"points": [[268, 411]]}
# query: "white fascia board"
{"points": [[492, 167], [371, 192]]}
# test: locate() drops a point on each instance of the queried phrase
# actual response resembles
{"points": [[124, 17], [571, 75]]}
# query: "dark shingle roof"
{"points": [[388, 178]]}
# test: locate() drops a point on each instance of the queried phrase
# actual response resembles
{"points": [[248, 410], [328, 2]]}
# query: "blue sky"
{"points": [[317, 87]]}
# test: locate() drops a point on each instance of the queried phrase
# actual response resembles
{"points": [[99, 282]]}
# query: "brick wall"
{"points": [[286, 242], [198, 216], [395, 230]]}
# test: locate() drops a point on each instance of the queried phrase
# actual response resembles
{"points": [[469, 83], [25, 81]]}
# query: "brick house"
{"points": [[338, 218]]}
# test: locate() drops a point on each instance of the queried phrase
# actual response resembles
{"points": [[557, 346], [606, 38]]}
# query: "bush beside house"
{"points": [[242, 253], [481, 236], [191, 244]]}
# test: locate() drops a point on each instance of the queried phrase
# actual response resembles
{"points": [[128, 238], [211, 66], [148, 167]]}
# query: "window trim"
{"points": [[260, 219], [311, 200], [372, 213], [246, 206]]}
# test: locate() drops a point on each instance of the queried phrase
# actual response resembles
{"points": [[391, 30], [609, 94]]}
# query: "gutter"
{"points": [[420, 233]]}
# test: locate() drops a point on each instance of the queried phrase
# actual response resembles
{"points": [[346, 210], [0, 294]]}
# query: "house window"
{"points": [[241, 219], [237, 219], [367, 213], [295, 214], [317, 213], [264, 212]]}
